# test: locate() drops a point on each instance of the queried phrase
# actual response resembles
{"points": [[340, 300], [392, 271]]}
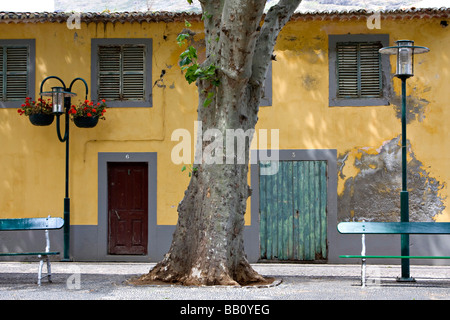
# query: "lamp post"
{"points": [[405, 51], [61, 102]]}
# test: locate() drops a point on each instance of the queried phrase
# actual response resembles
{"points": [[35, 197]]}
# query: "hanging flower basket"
{"points": [[39, 112], [85, 121], [87, 114], [41, 119]]}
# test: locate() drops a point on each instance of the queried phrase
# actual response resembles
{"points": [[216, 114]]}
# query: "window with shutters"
{"points": [[122, 74], [16, 72], [359, 74]]}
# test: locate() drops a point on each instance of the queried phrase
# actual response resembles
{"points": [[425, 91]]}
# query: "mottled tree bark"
{"points": [[207, 246]]}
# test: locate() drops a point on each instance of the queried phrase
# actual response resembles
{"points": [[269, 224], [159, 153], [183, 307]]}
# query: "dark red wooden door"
{"points": [[127, 208]]}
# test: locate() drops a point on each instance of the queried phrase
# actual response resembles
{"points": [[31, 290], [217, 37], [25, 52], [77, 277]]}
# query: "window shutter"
{"points": [[121, 72], [133, 72], [15, 73], [370, 70], [109, 72], [359, 70], [347, 67]]}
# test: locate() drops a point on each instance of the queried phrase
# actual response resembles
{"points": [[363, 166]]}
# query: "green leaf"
{"points": [[181, 37], [184, 168], [185, 61], [208, 99], [187, 24], [189, 1], [192, 52], [190, 73]]}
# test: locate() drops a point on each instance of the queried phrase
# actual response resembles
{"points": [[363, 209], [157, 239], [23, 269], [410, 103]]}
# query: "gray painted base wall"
{"points": [[30, 241], [84, 246], [420, 245]]}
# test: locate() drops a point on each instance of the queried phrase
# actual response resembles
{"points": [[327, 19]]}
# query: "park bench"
{"points": [[45, 224], [408, 228]]}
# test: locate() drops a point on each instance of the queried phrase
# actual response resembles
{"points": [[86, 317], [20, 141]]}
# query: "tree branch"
{"points": [[276, 18], [240, 20], [212, 18]]}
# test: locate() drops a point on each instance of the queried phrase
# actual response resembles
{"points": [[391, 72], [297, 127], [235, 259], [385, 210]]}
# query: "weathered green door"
{"points": [[293, 210]]}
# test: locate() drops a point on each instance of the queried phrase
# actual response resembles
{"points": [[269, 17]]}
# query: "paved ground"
{"points": [[107, 281]]}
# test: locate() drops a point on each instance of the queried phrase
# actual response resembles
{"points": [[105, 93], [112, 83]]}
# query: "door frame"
{"points": [[102, 235], [330, 155]]}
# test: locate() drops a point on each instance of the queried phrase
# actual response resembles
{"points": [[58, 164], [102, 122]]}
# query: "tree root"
{"points": [[163, 274]]}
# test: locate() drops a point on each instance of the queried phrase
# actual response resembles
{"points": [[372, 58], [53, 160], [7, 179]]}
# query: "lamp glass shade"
{"points": [[405, 64], [58, 99]]}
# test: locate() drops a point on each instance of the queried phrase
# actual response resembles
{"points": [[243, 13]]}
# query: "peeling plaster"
{"points": [[415, 107], [373, 193]]}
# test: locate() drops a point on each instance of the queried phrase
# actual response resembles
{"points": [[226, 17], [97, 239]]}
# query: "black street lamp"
{"points": [[405, 50], [61, 101]]}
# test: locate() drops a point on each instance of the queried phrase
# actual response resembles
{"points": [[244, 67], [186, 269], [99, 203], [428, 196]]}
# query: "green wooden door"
{"points": [[293, 210]]}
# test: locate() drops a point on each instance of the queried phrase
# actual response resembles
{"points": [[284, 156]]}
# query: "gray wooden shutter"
{"points": [[370, 70], [347, 69], [109, 78], [14, 73], [121, 72], [359, 70], [133, 73]]}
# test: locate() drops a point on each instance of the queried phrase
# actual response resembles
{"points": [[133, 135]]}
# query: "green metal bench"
{"points": [[45, 224], [408, 228]]}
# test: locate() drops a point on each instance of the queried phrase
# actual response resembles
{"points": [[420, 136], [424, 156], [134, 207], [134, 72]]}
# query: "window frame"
{"points": [[95, 43], [333, 99], [31, 69]]}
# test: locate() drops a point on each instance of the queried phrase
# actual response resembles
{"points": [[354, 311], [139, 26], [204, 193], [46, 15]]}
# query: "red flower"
{"points": [[89, 114]]}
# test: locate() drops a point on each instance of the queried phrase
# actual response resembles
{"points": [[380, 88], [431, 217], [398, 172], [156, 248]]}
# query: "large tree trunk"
{"points": [[207, 246]]}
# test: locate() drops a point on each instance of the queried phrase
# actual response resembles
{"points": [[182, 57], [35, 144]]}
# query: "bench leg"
{"points": [[41, 263], [49, 270], [363, 261], [363, 273]]}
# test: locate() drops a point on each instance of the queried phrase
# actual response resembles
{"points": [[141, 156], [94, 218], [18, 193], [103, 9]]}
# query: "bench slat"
{"points": [[31, 224], [29, 253], [394, 257], [394, 227]]}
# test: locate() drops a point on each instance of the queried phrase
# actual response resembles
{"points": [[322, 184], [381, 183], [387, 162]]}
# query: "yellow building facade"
{"points": [[358, 141]]}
